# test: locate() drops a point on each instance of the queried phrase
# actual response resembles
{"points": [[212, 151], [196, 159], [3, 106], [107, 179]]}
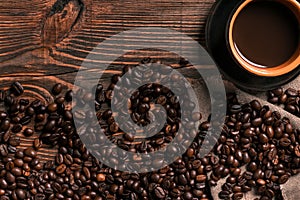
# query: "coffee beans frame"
{"points": [[252, 136]]}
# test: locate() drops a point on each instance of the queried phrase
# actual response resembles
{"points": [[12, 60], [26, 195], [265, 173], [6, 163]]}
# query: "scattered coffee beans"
{"points": [[288, 99], [252, 136]]}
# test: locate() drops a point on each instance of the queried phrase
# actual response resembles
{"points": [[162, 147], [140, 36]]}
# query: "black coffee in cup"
{"points": [[266, 33], [255, 43]]}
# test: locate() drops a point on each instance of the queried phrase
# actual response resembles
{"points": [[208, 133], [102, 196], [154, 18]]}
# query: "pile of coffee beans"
{"points": [[141, 109], [289, 99], [252, 136], [262, 141]]}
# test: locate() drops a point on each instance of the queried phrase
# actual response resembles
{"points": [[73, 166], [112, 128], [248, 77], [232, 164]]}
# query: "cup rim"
{"points": [[284, 68]]}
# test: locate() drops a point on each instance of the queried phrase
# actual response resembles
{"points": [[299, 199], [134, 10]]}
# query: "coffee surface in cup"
{"points": [[266, 33]]}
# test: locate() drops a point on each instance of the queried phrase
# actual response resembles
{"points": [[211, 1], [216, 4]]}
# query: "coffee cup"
{"points": [[256, 43]]}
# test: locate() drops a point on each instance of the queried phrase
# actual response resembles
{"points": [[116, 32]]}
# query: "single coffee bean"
{"points": [[284, 142], [246, 157], [37, 143], [57, 88], [257, 122], [61, 168], [5, 124], [263, 138], [17, 88], [261, 181], [18, 162], [21, 194], [258, 174], [270, 193], [25, 120], [236, 172], [255, 105], [30, 152], [3, 150], [239, 155], [16, 128], [16, 171], [297, 150], [237, 196], [159, 193], [201, 178], [3, 183], [10, 178], [224, 195], [52, 107], [28, 132], [100, 177], [69, 95], [283, 179]]}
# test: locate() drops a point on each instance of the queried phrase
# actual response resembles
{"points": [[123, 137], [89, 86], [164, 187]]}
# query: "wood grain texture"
{"points": [[43, 42], [27, 27]]}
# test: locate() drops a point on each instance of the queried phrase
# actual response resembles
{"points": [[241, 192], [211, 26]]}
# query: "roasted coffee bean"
{"points": [[5, 124], [182, 179], [263, 138], [67, 159], [25, 120], [16, 128], [37, 143], [252, 166], [224, 194], [30, 152], [16, 171], [252, 135], [86, 172], [9, 100], [30, 111], [28, 132], [100, 177], [283, 179], [10, 178], [17, 88], [297, 150], [3, 183], [236, 172], [21, 194], [284, 142], [235, 108], [255, 105], [159, 193], [261, 181], [52, 107], [237, 188], [24, 102], [239, 155], [3, 150], [246, 157], [57, 88], [201, 178], [69, 95]]}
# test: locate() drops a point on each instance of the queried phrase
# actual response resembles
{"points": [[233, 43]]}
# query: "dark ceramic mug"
{"points": [[236, 67]]}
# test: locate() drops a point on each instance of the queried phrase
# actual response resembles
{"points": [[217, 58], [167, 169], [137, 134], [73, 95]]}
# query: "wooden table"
{"points": [[43, 42]]}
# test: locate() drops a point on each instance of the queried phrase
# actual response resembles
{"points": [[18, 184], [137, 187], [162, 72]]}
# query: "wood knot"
{"points": [[59, 22]]}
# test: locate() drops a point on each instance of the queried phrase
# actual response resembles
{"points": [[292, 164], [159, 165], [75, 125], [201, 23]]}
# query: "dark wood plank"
{"points": [[45, 42]]}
